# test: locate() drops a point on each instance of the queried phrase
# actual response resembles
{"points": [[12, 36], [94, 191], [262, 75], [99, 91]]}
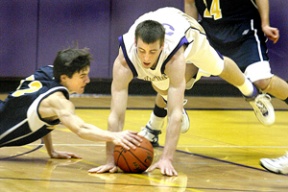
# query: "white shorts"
{"points": [[258, 70], [200, 52]]}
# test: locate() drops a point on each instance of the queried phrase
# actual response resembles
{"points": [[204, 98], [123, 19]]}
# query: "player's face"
{"points": [[148, 53], [78, 82]]}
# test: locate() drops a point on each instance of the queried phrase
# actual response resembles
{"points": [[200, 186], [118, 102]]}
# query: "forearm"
{"points": [[115, 124], [172, 137], [263, 9], [93, 133], [175, 105], [119, 93]]}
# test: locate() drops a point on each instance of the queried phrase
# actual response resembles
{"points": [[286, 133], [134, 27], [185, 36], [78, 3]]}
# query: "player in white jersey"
{"points": [[160, 47]]}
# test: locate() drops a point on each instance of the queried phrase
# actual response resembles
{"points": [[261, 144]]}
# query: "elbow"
{"points": [[81, 133]]}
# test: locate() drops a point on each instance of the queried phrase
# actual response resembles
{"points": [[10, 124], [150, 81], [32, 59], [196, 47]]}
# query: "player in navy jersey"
{"points": [[239, 29], [42, 101], [165, 47]]}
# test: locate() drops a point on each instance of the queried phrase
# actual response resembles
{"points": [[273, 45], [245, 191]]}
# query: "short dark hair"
{"points": [[70, 61], [150, 31]]}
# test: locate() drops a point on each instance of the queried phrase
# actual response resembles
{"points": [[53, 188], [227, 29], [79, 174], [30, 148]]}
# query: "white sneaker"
{"points": [[277, 165], [263, 108], [151, 135], [185, 124]]}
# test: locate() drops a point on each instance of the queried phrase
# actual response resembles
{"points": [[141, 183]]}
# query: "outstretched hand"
{"points": [[127, 139], [111, 168], [271, 32], [64, 155], [165, 167]]}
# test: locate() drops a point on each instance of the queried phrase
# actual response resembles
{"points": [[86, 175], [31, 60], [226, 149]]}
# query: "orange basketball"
{"points": [[134, 160]]}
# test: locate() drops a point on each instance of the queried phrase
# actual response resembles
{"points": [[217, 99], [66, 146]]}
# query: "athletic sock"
{"points": [[159, 112], [247, 88]]}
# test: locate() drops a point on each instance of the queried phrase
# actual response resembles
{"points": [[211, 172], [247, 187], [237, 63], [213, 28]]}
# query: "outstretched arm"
{"points": [[56, 106], [175, 69], [64, 110], [122, 76]]}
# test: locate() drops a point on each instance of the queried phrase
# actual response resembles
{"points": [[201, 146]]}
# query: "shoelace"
{"points": [[260, 105], [282, 159]]}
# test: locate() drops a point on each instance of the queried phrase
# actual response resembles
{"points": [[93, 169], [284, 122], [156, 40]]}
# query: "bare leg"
{"points": [[233, 75], [274, 86]]}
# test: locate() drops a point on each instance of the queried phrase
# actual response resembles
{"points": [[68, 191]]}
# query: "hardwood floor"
{"points": [[220, 152]]}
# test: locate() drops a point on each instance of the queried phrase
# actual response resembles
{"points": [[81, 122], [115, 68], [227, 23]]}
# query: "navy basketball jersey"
{"points": [[222, 10], [20, 122]]}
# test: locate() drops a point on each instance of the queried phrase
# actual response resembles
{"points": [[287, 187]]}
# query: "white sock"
{"points": [[155, 123], [246, 88]]}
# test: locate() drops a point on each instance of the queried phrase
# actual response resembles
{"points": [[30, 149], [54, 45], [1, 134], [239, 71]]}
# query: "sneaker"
{"points": [[185, 124], [278, 165], [263, 108], [151, 135]]}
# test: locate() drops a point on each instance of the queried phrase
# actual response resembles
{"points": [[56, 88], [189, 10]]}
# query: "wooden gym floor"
{"points": [[220, 152]]}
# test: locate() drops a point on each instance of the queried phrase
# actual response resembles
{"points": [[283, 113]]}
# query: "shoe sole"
{"points": [[271, 113], [277, 171]]}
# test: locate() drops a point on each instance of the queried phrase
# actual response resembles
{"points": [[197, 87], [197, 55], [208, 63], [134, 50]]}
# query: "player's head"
{"points": [[150, 31], [71, 68], [149, 40]]}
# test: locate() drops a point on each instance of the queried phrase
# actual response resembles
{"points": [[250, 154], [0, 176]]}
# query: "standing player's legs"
{"points": [[278, 88], [258, 70], [245, 45], [231, 73]]}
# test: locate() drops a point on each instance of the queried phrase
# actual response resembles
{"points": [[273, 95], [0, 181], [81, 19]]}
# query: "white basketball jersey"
{"points": [[175, 26], [180, 29]]}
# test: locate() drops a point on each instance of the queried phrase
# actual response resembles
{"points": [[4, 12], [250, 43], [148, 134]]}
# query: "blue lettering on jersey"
{"points": [[169, 29], [156, 78]]}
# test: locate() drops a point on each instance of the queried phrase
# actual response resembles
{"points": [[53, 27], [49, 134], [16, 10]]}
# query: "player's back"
{"points": [[20, 121]]}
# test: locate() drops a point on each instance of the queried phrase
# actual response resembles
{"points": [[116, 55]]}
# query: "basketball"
{"points": [[134, 160]]}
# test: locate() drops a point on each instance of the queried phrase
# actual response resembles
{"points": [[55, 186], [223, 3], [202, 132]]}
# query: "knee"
{"points": [[262, 83]]}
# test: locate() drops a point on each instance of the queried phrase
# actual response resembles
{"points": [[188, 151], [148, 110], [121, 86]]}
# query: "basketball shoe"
{"points": [[263, 109], [151, 135], [185, 123], [153, 128], [277, 165]]}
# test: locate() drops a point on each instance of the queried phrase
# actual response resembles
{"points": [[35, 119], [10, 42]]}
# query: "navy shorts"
{"points": [[244, 42]]}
